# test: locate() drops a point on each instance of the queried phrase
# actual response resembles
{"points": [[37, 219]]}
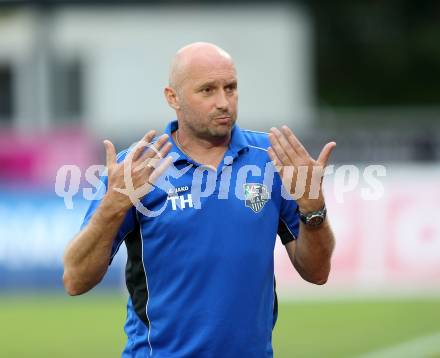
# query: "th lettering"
{"points": [[181, 201]]}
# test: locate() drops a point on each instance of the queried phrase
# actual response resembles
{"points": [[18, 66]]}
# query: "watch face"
{"points": [[315, 220]]}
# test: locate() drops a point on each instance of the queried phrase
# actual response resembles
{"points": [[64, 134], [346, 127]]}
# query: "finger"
{"points": [[160, 169], [163, 152], [154, 149], [110, 153], [284, 159], [144, 142], [274, 158], [325, 153], [286, 173], [152, 162], [288, 149], [294, 141], [148, 164]]}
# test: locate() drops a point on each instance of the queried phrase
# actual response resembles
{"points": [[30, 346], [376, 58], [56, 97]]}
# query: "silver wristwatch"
{"points": [[313, 218]]}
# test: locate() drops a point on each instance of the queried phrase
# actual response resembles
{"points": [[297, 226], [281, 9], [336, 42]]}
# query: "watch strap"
{"points": [[313, 218]]}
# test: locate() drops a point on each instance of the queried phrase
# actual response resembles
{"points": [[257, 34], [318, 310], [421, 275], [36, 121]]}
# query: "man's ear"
{"points": [[171, 97]]}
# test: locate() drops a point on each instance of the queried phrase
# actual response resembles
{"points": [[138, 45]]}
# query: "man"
{"points": [[200, 267]]}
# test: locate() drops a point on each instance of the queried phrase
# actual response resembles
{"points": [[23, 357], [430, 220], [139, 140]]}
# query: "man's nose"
{"points": [[222, 100]]}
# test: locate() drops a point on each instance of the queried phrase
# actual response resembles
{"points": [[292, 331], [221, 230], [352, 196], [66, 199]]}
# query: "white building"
{"points": [[105, 67]]}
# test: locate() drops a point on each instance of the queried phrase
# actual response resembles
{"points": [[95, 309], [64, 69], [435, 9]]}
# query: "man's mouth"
{"points": [[223, 119]]}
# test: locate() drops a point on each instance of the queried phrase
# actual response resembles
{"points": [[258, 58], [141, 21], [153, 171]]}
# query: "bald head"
{"points": [[193, 56], [203, 91]]}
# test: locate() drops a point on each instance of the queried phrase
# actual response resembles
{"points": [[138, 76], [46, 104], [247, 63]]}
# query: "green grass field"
{"points": [[91, 326]]}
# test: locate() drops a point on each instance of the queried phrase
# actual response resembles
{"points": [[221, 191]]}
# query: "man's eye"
{"points": [[207, 90], [230, 88]]}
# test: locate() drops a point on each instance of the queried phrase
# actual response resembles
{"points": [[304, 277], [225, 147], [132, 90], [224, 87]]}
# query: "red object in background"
{"points": [[15, 164], [413, 233], [33, 159]]}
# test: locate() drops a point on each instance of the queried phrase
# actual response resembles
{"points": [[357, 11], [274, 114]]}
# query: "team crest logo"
{"points": [[256, 196]]}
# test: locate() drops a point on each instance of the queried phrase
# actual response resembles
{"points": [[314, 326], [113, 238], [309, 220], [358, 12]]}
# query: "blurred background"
{"points": [[364, 73]]}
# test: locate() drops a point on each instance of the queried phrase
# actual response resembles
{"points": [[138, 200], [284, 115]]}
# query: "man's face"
{"points": [[208, 99]]}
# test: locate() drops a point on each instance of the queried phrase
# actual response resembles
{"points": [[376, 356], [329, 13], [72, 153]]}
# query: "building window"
{"points": [[67, 90], [6, 94]]}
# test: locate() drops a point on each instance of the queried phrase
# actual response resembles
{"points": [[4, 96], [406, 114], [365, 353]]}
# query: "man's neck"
{"points": [[204, 151]]}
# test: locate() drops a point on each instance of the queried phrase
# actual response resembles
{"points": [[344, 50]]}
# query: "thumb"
{"points": [[110, 153], [325, 153]]}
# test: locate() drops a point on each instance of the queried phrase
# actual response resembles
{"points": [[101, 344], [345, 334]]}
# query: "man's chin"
{"points": [[222, 130]]}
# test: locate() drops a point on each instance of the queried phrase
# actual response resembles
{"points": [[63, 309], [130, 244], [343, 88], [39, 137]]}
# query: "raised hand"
{"points": [[301, 174], [130, 180]]}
